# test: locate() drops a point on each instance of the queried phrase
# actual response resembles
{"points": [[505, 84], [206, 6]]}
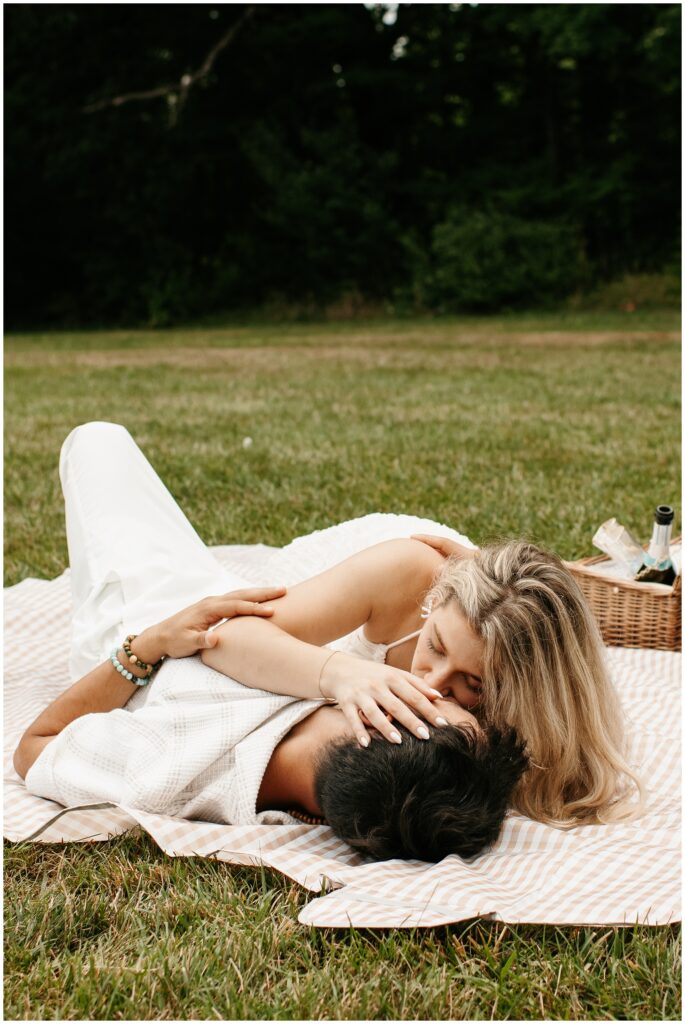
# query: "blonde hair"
{"points": [[544, 673]]}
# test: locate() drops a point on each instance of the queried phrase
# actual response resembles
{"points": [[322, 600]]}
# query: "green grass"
{"points": [[256, 331], [520, 426], [121, 931]]}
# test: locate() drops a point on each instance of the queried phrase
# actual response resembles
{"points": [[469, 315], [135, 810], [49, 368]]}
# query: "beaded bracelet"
{"points": [[138, 680], [135, 660]]}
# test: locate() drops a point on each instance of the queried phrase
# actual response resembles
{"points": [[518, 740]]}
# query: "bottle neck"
{"points": [[659, 545]]}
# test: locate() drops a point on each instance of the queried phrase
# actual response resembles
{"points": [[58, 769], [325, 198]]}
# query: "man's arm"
{"points": [[103, 689]]}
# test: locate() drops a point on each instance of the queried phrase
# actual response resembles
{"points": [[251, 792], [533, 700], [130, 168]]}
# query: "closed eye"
{"points": [[461, 677], [474, 689]]}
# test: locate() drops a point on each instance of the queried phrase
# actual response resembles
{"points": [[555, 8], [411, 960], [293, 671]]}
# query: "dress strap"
{"points": [[402, 640]]}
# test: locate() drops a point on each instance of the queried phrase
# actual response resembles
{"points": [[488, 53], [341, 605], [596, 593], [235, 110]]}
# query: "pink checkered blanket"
{"points": [[596, 875]]}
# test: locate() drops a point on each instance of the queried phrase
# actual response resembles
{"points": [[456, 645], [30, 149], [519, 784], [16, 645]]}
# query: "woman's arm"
{"points": [[382, 585], [104, 689]]}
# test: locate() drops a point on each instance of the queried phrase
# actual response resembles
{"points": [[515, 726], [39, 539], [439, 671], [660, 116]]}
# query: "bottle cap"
{"points": [[663, 515]]}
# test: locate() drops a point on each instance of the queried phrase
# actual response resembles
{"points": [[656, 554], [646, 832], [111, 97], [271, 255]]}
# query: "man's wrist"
{"points": [[149, 647]]}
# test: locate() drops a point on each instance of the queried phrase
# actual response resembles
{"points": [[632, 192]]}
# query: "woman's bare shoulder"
{"points": [[405, 560], [408, 570], [382, 584]]}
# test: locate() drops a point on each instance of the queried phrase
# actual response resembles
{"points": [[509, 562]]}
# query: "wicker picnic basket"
{"points": [[631, 614]]}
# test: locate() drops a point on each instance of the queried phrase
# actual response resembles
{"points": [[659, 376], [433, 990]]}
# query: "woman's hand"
{"points": [[445, 545], [372, 694], [189, 630]]}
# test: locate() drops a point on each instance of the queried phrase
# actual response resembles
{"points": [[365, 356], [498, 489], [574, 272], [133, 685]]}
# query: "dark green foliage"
{"points": [[324, 152], [481, 260]]}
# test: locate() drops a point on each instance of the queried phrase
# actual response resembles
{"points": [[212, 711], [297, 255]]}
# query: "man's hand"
{"points": [[445, 545], [189, 630]]}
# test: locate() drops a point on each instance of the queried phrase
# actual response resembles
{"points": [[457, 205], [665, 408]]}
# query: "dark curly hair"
{"points": [[423, 799]]}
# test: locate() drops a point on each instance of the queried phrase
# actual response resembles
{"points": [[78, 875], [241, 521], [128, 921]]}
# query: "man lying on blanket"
{"points": [[197, 744]]}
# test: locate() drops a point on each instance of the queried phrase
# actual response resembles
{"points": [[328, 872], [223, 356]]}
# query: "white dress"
{"points": [[193, 743]]}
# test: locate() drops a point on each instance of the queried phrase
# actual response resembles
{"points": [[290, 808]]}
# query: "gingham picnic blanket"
{"points": [[617, 874]]}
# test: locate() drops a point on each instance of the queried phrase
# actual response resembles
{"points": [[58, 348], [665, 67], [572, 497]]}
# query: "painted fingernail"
{"points": [[364, 740], [423, 732], [441, 721], [436, 693], [395, 737]]}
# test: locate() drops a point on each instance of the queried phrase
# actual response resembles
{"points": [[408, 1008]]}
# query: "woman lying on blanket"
{"points": [[507, 634], [507, 641]]}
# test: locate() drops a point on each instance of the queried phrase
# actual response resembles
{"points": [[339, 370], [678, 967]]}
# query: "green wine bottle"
{"points": [[657, 566]]}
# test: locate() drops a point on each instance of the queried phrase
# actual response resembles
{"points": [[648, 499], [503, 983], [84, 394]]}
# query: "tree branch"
{"points": [[177, 92]]}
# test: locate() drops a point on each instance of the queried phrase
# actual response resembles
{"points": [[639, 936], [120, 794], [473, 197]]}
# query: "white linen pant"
{"points": [[135, 558]]}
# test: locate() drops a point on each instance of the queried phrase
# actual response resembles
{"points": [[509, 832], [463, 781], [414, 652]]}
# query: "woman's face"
{"points": [[449, 655]]}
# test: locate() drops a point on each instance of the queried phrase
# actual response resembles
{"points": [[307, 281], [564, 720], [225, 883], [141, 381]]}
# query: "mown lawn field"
{"points": [[536, 426]]}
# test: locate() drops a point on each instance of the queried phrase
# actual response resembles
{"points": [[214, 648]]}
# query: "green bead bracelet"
{"points": [[135, 660]]}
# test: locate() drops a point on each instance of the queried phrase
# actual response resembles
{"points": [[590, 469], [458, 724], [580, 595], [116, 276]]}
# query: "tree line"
{"points": [[164, 162]]}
